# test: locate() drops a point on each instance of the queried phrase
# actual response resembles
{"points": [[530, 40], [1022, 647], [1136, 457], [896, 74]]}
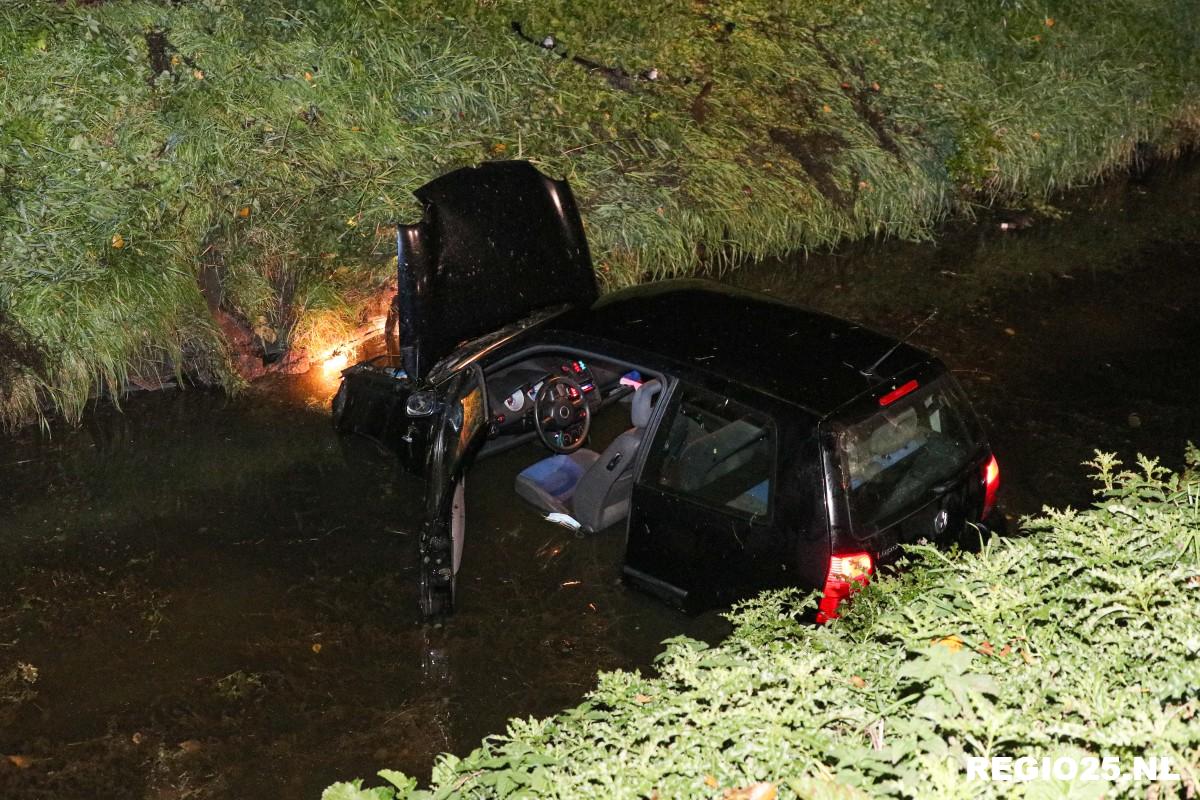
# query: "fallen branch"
{"points": [[618, 77]]}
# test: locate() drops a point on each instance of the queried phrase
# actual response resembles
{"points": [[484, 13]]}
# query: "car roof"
{"points": [[810, 359]]}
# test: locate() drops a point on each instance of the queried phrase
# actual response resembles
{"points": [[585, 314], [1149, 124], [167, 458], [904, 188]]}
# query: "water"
{"points": [[219, 595]]}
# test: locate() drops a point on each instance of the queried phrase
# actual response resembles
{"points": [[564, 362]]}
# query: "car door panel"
{"points": [[460, 424], [700, 529]]}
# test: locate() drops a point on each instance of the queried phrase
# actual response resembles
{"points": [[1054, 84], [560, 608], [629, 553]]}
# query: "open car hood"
{"points": [[496, 243]]}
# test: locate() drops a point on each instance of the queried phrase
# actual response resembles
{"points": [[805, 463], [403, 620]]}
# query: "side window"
{"points": [[716, 451]]}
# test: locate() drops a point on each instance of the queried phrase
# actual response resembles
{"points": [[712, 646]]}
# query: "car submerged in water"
{"points": [[761, 445]]}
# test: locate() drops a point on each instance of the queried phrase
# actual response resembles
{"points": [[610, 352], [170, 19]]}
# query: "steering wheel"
{"points": [[561, 414]]}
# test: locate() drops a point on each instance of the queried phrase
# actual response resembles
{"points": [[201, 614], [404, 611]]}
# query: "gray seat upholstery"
{"points": [[592, 487], [550, 483], [719, 453]]}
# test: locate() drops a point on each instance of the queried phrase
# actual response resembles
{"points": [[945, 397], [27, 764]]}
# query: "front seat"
{"points": [[594, 488]]}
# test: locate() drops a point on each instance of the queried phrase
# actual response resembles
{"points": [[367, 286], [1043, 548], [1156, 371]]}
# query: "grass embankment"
{"points": [[260, 149], [1082, 639]]}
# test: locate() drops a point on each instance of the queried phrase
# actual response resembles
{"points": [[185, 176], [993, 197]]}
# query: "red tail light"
{"points": [[844, 572], [991, 484]]}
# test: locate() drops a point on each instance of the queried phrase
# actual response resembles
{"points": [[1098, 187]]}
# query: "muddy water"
{"points": [[219, 599], [218, 595]]}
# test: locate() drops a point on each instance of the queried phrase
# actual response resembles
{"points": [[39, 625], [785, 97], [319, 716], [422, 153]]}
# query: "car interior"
{"points": [[719, 453], [591, 414], [583, 478]]}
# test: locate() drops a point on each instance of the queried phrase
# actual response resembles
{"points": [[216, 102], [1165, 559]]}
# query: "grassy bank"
{"points": [[1082, 639], [161, 163]]}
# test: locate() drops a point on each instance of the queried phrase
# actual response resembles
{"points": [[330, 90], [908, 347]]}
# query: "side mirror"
{"points": [[421, 404]]}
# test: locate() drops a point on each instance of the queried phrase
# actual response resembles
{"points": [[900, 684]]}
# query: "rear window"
{"points": [[892, 458]]}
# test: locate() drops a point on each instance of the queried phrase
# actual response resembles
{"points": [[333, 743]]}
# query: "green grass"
{"points": [[1080, 639], [285, 138]]}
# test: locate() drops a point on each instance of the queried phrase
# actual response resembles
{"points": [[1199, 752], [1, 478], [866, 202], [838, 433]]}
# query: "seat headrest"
{"points": [[643, 400]]}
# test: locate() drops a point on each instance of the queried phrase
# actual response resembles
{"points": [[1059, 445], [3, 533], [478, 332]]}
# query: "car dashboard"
{"points": [[512, 392]]}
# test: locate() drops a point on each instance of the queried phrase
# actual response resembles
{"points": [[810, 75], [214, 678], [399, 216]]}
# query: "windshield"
{"points": [[470, 351], [894, 457]]}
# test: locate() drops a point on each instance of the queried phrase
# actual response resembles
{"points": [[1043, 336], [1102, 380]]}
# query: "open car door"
{"points": [[459, 424]]}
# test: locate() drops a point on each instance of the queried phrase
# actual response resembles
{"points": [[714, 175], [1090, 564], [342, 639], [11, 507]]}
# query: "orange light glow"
{"points": [[337, 358], [336, 363], [334, 360]]}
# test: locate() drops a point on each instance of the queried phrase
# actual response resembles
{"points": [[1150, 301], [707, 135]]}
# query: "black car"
{"points": [[765, 445]]}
